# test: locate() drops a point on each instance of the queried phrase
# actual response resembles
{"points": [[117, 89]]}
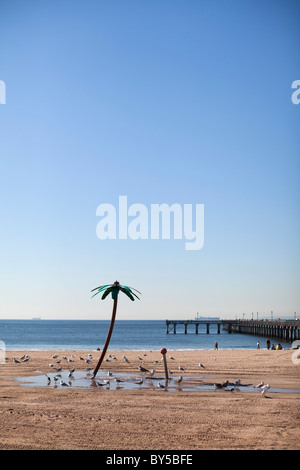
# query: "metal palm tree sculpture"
{"points": [[114, 290]]}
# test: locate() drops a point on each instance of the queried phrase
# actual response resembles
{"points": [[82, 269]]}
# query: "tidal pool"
{"points": [[125, 381]]}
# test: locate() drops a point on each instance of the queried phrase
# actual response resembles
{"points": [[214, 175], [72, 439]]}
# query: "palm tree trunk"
{"points": [[111, 327]]}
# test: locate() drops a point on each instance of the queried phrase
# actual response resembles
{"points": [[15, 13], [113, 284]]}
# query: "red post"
{"points": [[164, 352]]}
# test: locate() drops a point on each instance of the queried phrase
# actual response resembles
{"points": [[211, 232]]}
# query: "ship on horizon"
{"points": [[199, 317]]}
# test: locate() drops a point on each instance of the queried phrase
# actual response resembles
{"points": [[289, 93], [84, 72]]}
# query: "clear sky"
{"points": [[164, 101]]}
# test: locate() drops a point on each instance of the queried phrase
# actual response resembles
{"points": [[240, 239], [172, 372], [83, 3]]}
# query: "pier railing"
{"points": [[288, 330]]}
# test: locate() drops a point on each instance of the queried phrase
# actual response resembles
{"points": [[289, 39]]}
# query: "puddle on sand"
{"points": [[125, 381]]}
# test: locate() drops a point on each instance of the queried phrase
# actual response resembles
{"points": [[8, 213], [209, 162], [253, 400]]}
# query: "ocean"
{"points": [[127, 335]]}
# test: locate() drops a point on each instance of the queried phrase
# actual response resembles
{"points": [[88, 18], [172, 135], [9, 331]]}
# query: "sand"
{"points": [[93, 419]]}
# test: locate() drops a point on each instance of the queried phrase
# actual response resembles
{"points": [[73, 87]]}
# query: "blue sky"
{"points": [[165, 101]]}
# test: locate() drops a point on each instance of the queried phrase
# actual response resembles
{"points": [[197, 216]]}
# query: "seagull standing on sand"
{"points": [[118, 380], [100, 384], [63, 384], [259, 385], [16, 361], [142, 369], [201, 365], [139, 382], [181, 368], [264, 389]]}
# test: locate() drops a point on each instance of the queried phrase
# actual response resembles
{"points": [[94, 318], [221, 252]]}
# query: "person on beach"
{"points": [[268, 342], [216, 345]]}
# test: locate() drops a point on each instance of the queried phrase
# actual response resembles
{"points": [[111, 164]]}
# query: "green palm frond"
{"points": [[134, 289], [114, 290], [128, 289], [107, 292], [127, 293], [100, 287]]}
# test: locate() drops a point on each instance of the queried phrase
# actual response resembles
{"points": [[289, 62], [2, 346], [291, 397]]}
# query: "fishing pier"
{"points": [[287, 330], [172, 325]]}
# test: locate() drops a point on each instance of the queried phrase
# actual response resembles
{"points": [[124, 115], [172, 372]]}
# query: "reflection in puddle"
{"points": [[125, 381]]}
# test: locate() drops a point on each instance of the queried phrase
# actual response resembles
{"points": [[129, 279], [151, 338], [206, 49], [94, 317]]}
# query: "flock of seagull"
{"points": [[55, 366]]}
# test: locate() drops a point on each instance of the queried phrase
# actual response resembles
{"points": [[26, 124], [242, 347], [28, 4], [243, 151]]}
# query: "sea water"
{"points": [[127, 335]]}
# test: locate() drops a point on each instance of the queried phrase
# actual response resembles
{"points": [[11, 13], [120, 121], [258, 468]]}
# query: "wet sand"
{"points": [[70, 418]]}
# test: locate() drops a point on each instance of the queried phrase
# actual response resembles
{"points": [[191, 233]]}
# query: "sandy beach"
{"points": [[70, 418]]}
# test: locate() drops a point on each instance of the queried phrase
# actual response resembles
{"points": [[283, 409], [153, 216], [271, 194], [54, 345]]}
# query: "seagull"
{"points": [[139, 358], [100, 384], [259, 385], [217, 386], [70, 374], [201, 365], [118, 380], [142, 369], [171, 357], [170, 372], [16, 361], [152, 372], [181, 368], [72, 370], [109, 374], [264, 389], [125, 359], [58, 369], [237, 382], [48, 378], [55, 356], [22, 357], [139, 382], [160, 385], [179, 380], [63, 384], [26, 359]]}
